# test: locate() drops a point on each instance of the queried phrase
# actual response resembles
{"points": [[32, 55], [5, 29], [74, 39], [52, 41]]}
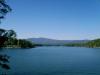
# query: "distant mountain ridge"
{"points": [[53, 41]]}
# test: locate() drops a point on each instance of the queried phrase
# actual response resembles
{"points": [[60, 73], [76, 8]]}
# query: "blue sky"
{"points": [[57, 19]]}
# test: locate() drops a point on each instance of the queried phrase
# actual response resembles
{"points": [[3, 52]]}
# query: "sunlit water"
{"points": [[54, 61]]}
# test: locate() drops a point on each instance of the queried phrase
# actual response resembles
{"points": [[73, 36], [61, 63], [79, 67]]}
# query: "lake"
{"points": [[54, 61]]}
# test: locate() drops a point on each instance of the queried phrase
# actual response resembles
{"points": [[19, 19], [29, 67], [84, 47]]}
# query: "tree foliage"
{"points": [[94, 43], [91, 44], [4, 9], [18, 43]]}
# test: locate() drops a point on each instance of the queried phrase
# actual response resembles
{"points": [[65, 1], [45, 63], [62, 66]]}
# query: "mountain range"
{"points": [[48, 41]]}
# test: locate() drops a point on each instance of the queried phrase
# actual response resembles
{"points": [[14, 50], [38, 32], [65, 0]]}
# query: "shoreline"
{"points": [[15, 47]]}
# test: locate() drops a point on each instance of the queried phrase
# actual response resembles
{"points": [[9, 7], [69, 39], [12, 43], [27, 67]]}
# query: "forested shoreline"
{"points": [[18, 43], [91, 44]]}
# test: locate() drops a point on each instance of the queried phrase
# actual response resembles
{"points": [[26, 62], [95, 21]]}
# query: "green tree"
{"points": [[4, 9]]}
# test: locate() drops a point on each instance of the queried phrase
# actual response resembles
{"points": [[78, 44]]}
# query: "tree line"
{"points": [[91, 44], [18, 43]]}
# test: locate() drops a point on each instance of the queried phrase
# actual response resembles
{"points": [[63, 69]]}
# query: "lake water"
{"points": [[54, 61]]}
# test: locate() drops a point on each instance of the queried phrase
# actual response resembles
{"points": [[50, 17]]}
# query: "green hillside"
{"points": [[91, 44]]}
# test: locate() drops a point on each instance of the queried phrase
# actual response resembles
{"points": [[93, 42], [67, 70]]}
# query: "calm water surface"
{"points": [[54, 61]]}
